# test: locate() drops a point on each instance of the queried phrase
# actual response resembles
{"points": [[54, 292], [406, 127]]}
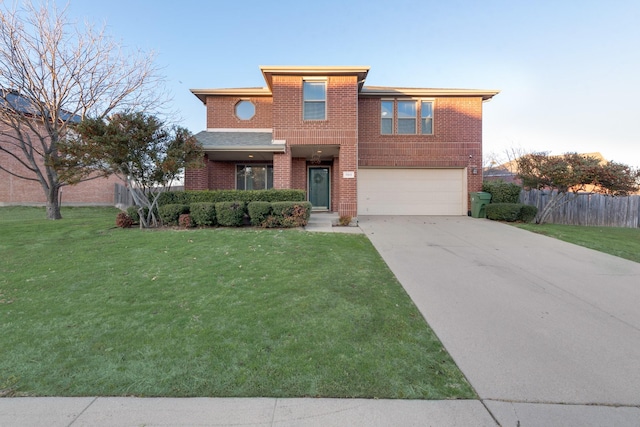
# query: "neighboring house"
{"points": [[18, 191], [355, 149]]}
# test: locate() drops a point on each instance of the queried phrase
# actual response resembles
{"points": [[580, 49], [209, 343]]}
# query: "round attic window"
{"points": [[245, 110]]}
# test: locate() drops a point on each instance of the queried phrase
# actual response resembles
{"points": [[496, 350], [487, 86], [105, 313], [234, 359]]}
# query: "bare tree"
{"points": [[53, 74]]}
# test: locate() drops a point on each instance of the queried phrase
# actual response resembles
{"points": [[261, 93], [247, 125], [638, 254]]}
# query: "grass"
{"points": [[618, 241], [88, 309]]}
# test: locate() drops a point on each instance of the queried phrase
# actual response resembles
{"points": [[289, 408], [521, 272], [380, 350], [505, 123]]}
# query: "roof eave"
{"points": [[486, 94], [276, 148], [202, 94], [268, 71]]}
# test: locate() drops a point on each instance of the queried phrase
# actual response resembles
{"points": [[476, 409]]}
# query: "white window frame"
{"points": [[395, 115], [433, 109], [323, 80], [392, 118], [414, 118]]}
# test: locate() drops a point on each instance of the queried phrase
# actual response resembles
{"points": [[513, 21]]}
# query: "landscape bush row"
{"points": [[229, 208], [505, 203], [227, 214], [215, 196]]}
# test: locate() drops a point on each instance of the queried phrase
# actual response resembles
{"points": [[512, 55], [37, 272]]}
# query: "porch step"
{"points": [[322, 221]]}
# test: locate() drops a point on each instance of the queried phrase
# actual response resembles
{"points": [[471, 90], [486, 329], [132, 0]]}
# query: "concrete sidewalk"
{"points": [[268, 412], [120, 411]]}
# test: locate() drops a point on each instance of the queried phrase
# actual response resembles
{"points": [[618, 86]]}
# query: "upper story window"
{"points": [[245, 110], [426, 113], [386, 124], [406, 117], [314, 97], [400, 116]]}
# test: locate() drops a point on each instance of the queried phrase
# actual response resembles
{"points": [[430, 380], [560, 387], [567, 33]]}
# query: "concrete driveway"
{"points": [[528, 319]]}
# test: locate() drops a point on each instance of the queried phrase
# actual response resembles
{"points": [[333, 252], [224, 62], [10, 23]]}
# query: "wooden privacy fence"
{"points": [[122, 198], [589, 209]]}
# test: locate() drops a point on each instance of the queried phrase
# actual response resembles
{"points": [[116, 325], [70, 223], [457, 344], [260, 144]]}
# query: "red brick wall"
{"points": [[17, 191], [342, 109], [299, 173], [97, 192], [282, 172], [197, 178], [335, 184], [222, 175], [339, 128], [456, 139], [221, 112], [455, 120]]}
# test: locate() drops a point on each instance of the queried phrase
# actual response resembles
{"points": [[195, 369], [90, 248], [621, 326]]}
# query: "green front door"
{"points": [[319, 188]]}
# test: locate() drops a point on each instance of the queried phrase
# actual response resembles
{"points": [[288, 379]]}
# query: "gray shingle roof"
{"points": [[210, 140], [14, 101]]}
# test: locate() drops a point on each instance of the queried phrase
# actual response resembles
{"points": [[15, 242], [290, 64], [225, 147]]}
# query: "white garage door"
{"points": [[412, 192]]}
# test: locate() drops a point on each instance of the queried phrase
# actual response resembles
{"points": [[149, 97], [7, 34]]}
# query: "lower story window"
{"points": [[254, 177]]}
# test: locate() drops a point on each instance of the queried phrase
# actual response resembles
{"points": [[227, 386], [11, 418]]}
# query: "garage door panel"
{"points": [[411, 192]]}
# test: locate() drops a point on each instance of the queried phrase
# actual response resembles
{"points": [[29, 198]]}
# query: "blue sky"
{"points": [[568, 71]]}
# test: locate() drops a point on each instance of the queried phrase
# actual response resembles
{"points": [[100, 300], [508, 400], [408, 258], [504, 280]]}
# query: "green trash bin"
{"points": [[478, 202]]}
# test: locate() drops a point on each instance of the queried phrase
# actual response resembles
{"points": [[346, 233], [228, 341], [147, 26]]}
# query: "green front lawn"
{"points": [[618, 241], [89, 309]]}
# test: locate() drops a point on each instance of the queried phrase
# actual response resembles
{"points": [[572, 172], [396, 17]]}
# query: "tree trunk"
{"points": [[53, 203]]}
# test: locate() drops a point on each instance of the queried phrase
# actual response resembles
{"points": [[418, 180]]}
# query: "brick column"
{"points": [[197, 178], [348, 203], [282, 169]]}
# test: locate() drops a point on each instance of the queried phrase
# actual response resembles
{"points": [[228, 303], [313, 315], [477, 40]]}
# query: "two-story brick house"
{"points": [[355, 149]]}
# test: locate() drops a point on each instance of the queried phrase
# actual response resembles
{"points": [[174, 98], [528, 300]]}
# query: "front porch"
{"points": [[252, 160]]}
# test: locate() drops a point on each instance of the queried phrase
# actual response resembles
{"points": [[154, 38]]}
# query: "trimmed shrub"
{"points": [[203, 214], [527, 213], [231, 214], [173, 198], [511, 212], [123, 220], [216, 196], [289, 214], [271, 222], [502, 192], [258, 212], [503, 211], [132, 211], [169, 214]]}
